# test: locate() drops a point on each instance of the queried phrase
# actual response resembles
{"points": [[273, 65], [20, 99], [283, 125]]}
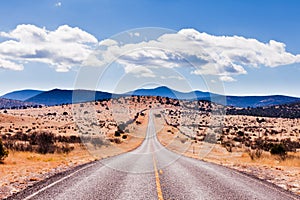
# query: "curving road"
{"points": [[153, 172]]}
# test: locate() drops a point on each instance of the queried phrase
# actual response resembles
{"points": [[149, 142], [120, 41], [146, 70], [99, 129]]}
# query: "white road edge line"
{"points": [[58, 181]]}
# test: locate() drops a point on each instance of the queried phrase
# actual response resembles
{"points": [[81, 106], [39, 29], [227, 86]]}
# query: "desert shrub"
{"points": [[45, 142], [240, 133], [66, 148], [86, 112], [117, 140], [238, 139], [74, 139], [251, 154], [18, 145], [124, 137], [40, 142], [258, 153], [117, 133], [289, 145], [3, 151], [279, 149], [228, 146], [21, 136]]}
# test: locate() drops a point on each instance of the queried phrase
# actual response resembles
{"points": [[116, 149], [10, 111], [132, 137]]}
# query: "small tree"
{"points": [[3, 151]]}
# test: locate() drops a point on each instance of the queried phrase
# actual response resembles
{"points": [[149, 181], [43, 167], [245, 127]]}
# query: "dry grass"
{"points": [[292, 159], [22, 168]]}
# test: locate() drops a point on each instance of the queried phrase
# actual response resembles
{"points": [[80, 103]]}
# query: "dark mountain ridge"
{"points": [[58, 96], [236, 101]]}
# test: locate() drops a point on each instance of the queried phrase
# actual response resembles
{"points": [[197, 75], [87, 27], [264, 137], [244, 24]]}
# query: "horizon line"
{"points": [[195, 90]]}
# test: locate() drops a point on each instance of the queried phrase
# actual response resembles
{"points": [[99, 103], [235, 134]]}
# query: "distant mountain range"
{"points": [[167, 92], [58, 96], [22, 95], [236, 101]]}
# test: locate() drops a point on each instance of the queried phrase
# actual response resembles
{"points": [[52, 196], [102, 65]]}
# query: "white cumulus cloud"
{"points": [[6, 64], [139, 71], [214, 55], [67, 47], [62, 48]]}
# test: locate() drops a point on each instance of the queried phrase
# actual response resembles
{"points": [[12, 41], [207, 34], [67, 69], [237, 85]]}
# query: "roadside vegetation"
{"points": [[3, 151], [40, 142]]}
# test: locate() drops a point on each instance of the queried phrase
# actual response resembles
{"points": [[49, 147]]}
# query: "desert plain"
{"points": [[83, 132]]}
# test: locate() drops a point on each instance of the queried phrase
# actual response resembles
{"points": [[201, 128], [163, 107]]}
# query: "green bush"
{"points": [[3, 151]]}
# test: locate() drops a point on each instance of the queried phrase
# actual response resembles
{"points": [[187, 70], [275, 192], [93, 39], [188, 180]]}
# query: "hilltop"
{"points": [[22, 95]]}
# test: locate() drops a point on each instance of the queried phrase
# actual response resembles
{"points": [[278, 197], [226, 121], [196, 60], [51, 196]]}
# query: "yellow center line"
{"points": [[158, 187]]}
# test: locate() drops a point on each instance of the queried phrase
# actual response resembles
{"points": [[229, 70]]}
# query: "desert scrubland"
{"points": [[266, 147], [80, 133]]}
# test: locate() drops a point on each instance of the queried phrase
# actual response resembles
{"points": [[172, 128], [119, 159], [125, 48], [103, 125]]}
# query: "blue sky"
{"points": [[98, 20]]}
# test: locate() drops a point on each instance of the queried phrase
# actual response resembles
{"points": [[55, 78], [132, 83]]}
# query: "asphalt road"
{"points": [[153, 172]]}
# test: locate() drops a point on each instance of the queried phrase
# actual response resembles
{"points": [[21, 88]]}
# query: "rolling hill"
{"points": [[57, 96], [167, 92], [22, 95]]}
